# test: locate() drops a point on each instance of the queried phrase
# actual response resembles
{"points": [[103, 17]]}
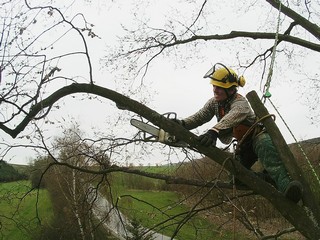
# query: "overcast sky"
{"points": [[175, 85]]}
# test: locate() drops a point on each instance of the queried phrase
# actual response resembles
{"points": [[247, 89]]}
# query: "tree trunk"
{"points": [[285, 154], [75, 203]]}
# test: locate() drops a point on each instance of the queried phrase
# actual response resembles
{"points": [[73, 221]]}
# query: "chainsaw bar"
{"points": [[145, 127], [159, 134]]}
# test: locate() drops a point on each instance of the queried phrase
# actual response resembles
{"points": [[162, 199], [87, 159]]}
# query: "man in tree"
{"points": [[235, 117]]}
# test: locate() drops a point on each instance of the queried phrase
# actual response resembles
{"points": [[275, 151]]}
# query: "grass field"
{"points": [[164, 207], [21, 213]]}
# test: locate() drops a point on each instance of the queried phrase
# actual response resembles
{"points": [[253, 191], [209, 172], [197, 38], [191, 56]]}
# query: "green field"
{"points": [[166, 210], [22, 211]]}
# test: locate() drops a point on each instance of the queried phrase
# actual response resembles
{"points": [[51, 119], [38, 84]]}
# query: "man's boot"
{"points": [[294, 191]]}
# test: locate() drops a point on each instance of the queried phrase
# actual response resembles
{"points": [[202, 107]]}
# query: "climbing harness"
{"points": [[254, 127]]}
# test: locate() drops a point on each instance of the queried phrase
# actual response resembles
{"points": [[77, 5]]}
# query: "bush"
{"points": [[37, 170]]}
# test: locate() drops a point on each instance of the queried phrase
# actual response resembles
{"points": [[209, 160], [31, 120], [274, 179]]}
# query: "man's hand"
{"points": [[209, 138]]}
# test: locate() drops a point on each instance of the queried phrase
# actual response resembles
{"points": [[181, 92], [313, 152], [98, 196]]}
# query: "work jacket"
{"points": [[234, 117]]}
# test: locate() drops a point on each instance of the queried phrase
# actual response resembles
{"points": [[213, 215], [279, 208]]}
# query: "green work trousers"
{"points": [[269, 157]]}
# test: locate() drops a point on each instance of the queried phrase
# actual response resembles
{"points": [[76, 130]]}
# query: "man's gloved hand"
{"points": [[209, 138]]}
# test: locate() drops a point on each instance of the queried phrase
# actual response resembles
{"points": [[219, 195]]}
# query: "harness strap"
{"points": [[255, 129]]}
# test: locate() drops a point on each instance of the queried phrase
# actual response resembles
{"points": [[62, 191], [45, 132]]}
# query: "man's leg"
{"points": [[248, 158], [269, 157]]}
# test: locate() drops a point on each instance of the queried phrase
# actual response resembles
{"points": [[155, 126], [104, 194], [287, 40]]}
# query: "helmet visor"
{"points": [[209, 73]]}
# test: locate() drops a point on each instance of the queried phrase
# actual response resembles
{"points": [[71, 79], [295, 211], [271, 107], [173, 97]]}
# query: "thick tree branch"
{"points": [[284, 152], [303, 22], [253, 35]]}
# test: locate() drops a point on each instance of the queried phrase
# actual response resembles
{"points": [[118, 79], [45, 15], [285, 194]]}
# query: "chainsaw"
{"points": [[152, 133]]}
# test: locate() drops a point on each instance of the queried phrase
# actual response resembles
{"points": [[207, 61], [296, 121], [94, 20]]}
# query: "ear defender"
{"points": [[241, 81]]}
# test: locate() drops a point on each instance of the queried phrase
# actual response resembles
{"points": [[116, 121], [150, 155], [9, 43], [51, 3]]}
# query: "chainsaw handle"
{"points": [[166, 137], [169, 115]]}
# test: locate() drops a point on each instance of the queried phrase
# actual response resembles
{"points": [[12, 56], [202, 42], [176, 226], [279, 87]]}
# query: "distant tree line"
{"points": [[9, 174]]}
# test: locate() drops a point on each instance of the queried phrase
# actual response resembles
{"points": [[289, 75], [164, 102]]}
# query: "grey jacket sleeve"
{"points": [[205, 114]]}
